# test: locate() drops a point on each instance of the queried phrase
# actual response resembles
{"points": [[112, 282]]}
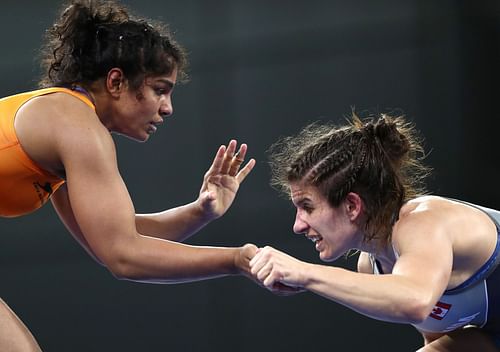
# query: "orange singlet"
{"points": [[24, 186]]}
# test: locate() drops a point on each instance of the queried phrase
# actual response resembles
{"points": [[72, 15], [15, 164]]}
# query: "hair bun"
{"points": [[394, 143]]}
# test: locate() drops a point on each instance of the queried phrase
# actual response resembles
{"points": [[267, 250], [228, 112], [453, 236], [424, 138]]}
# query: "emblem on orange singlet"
{"points": [[47, 188]]}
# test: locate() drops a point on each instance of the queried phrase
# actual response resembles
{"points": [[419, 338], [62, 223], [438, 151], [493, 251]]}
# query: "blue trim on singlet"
{"points": [[483, 271], [488, 275], [481, 274], [81, 90]]}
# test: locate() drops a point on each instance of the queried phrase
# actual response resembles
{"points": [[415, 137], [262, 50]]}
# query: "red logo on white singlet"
{"points": [[440, 310]]}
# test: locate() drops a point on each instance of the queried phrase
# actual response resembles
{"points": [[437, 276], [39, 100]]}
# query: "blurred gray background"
{"points": [[259, 70]]}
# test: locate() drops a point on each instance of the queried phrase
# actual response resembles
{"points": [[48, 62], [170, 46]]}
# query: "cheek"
{"points": [[327, 224], [143, 103], [141, 113], [150, 107], [331, 232]]}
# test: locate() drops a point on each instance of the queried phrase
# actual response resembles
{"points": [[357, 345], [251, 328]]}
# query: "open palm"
{"points": [[222, 181]]}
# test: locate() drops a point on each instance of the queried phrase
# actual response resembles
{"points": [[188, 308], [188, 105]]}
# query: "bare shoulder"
{"points": [[57, 126], [425, 203], [424, 219], [422, 209], [443, 223], [440, 210], [55, 112]]}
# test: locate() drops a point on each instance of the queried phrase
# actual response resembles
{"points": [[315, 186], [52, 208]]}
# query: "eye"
{"points": [[307, 208], [161, 91]]}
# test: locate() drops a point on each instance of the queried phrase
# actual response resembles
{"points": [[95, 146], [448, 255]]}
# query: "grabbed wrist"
{"points": [[242, 258]]}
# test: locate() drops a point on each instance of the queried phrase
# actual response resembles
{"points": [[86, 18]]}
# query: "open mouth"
{"points": [[316, 239], [152, 128]]}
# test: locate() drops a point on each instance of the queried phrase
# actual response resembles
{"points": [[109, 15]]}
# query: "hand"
{"points": [[243, 257], [222, 181], [242, 263], [277, 270]]}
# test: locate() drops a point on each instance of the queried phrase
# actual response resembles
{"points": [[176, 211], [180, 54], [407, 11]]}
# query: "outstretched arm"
{"points": [[101, 212], [220, 185], [407, 295]]}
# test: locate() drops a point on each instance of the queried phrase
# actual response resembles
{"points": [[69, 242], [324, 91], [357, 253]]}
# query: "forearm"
{"points": [[176, 224], [153, 260], [383, 297]]}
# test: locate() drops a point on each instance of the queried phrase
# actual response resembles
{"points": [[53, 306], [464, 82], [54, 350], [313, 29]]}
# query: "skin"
{"points": [[73, 141], [14, 335], [415, 280]]}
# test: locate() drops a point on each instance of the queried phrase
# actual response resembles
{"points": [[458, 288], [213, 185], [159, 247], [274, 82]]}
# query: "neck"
{"points": [[80, 89]]}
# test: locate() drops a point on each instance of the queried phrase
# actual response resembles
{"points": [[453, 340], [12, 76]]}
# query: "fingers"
{"points": [[218, 160], [270, 268], [245, 171], [228, 161], [237, 160], [249, 250], [261, 268], [228, 157]]}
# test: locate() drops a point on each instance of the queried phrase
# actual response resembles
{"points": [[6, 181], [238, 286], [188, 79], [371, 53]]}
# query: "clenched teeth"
{"points": [[313, 238]]}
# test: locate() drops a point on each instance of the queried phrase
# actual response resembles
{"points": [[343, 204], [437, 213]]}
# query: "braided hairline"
{"points": [[337, 173], [385, 168]]}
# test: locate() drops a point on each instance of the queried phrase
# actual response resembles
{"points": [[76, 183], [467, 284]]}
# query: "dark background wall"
{"points": [[259, 70]]}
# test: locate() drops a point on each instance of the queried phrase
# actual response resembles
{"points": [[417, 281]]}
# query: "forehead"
{"points": [[169, 78], [301, 191]]}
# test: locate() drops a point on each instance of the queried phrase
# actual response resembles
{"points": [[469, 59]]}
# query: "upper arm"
{"points": [[96, 193], [62, 206], [425, 254]]}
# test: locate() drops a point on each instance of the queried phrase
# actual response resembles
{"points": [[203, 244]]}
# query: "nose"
{"points": [[166, 108], [299, 226]]}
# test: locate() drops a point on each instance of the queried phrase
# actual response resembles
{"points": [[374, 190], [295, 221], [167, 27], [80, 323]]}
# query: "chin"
{"points": [[140, 139], [329, 257]]}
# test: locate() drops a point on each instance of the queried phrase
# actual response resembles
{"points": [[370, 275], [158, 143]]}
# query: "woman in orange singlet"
{"points": [[106, 72]]}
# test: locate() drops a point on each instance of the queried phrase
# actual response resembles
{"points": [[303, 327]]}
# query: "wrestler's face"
{"points": [[140, 112], [331, 229]]}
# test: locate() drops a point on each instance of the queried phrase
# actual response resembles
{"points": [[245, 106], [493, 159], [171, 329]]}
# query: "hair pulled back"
{"points": [[378, 158], [92, 36]]}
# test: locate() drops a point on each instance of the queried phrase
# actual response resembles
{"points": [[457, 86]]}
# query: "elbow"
{"points": [[121, 267], [417, 316], [119, 270], [122, 259], [416, 310]]}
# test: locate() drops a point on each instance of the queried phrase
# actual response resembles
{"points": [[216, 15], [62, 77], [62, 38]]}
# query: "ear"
{"points": [[115, 82], [353, 205]]}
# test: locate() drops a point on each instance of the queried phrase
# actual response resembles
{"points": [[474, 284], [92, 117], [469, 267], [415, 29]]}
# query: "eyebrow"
{"points": [[166, 81], [302, 200]]}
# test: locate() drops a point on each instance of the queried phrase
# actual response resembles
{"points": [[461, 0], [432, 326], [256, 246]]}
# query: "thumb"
{"points": [[206, 197]]}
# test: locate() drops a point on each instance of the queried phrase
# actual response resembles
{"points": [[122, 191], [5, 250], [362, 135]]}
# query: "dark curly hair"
{"points": [[378, 158], [92, 36]]}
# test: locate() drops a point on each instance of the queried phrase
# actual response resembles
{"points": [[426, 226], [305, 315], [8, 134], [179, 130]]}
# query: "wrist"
{"points": [[241, 259], [307, 277], [199, 212], [238, 265]]}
